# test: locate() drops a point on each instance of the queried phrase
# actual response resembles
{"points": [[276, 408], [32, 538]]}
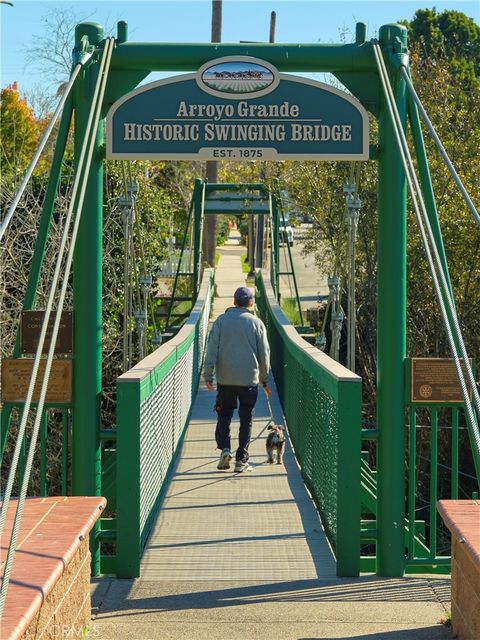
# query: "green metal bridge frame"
{"points": [[354, 65]]}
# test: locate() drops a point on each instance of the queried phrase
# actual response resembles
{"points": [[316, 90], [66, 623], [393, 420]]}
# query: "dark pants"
{"points": [[226, 403]]}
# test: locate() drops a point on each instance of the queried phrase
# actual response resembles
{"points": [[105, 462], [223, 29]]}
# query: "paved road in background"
{"points": [[311, 283]]}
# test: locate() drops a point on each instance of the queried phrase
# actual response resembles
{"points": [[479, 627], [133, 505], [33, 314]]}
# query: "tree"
{"points": [[19, 131], [50, 52], [450, 35]]}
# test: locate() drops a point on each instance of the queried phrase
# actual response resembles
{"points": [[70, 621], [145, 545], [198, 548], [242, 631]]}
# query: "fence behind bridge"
{"points": [[321, 400], [154, 401]]}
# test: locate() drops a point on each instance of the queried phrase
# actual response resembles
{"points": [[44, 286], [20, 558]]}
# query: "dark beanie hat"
{"points": [[243, 296]]}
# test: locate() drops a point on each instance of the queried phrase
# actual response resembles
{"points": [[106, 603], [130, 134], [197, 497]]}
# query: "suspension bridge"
{"points": [[288, 539]]}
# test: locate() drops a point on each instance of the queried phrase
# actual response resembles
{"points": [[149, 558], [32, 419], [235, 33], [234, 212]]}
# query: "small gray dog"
{"points": [[275, 442]]}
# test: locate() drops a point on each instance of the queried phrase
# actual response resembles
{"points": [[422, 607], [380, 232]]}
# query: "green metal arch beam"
{"points": [[286, 57]]}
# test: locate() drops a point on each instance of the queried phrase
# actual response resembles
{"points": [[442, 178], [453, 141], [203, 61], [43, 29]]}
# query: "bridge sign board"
{"points": [[237, 108]]}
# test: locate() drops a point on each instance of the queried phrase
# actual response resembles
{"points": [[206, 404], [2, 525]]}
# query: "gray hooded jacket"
{"points": [[237, 349]]}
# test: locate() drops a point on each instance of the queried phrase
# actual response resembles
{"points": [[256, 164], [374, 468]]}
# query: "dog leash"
{"points": [[269, 422], [269, 405]]}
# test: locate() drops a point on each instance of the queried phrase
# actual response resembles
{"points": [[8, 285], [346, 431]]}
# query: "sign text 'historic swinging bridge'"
{"points": [[237, 108]]}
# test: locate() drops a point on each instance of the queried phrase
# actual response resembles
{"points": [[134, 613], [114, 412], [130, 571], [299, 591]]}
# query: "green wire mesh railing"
{"points": [[154, 401], [321, 401]]}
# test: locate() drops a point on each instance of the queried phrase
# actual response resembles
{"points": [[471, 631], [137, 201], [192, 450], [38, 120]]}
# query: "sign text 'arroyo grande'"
{"points": [[237, 114]]}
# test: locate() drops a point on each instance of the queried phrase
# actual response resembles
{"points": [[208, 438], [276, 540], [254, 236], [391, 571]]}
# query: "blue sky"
{"points": [[189, 21]]}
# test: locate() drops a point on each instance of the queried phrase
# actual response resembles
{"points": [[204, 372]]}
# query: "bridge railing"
{"points": [[321, 401], [154, 401]]}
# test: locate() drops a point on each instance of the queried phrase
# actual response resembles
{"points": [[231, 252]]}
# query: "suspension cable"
{"points": [[352, 204], [136, 283], [352, 212], [80, 182], [433, 266], [128, 213], [446, 288], [440, 146], [13, 206], [148, 302]]}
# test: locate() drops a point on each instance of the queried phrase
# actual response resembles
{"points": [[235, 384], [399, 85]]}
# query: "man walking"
{"points": [[239, 354]]}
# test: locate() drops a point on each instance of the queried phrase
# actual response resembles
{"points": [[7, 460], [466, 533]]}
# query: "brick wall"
{"points": [[465, 593], [66, 611], [462, 517]]}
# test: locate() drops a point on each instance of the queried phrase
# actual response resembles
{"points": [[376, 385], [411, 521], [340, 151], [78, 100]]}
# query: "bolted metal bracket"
{"points": [[321, 342], [140, 314], [352, 212], [145, 283], [128, 200], [156, 339], [333, 285], [348, 188], [337, 319]]}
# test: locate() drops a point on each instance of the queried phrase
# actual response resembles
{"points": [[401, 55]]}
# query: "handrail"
{"points": [[338, 372], [154, 400], [147, 366], [321, 400]]}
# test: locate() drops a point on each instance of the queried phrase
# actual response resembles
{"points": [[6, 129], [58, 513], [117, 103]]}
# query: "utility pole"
{"points": [[273, 24], [259, 232], [210, 230]]}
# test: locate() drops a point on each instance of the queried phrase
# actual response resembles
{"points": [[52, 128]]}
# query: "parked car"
{"points": [[285, 234], [306, 219]]}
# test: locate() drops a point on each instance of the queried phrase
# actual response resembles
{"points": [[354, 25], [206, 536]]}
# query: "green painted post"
{"points": [[128, 479], [65, 428], [454, 476], [427, 191], [87, 300], [426, 182], [412, 481], [5, 419], [197, 234], [276, 247], [391, 322], [43, 454], [349, 407], [433, 482]]}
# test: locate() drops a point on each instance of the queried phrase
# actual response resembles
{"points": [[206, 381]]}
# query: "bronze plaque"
{"points": [[32, 326], [16, 374], [435, 380]]}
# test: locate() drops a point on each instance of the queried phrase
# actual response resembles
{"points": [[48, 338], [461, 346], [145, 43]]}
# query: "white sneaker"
{"points": [[225, 457], [240, 467]]}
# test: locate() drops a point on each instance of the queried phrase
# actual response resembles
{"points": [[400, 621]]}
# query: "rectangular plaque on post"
{"points": [[16, 374], [31, 327], [434, 381]]}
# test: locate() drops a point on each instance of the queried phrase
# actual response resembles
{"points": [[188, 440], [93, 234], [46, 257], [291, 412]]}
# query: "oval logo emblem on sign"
{"points": [[238, 77]]}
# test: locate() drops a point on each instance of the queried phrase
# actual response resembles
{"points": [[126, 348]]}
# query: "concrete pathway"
{"points": [[228, 275], [244, 556], [312, 284]]}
